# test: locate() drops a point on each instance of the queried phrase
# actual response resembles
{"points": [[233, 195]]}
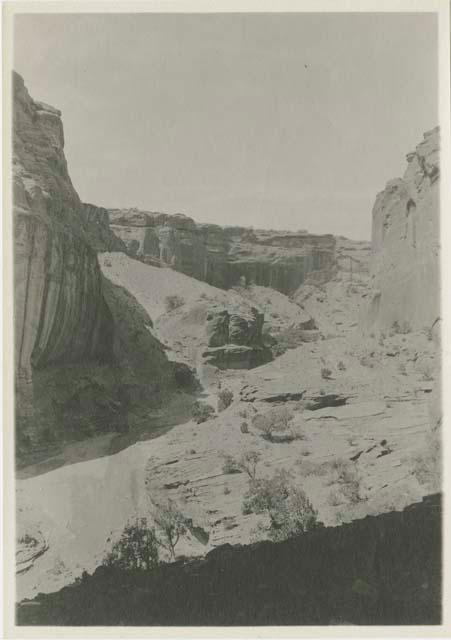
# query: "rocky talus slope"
{"points": [[83, 352], [405, 242], [224, 256]]}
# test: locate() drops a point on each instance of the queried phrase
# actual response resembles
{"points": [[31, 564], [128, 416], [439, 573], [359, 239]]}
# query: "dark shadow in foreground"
{"points": [[380, 570]]}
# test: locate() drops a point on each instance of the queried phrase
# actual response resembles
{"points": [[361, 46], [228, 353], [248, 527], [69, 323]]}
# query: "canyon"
{"points": [[130, 327]]}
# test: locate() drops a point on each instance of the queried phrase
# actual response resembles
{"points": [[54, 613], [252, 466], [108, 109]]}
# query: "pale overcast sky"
{"points": [[289, 121]]}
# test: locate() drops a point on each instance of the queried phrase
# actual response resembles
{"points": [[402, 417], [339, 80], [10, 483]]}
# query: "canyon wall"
{"points": [[60, 312], [405, 242], [83, 352], [224, 256]]}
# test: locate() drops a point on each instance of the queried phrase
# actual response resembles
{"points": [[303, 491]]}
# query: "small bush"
{"points": [[275, 420], [137, 548], [171, 525], [427, 465], [341, 366], [335, 498], [244, 427], [203, 296], [326, 373], [202, 412], [243, 413], [248, 463], [400, 328], [225, 399], [230, 465], [226, 490], [173, 302], [289, 510]]}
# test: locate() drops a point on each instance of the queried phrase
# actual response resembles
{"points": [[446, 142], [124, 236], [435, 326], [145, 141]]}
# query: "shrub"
{"points": [[226, 490], [341, 366], [427, 465], [326, 373], [242, 413], [335, 498], [402, 328], [402, 369], [277, 419], [230, 465], [225, 399], [202, 412], [289, 510], [173, 302], [137, 548], [172, 524], [244, 427], [248, 463]]}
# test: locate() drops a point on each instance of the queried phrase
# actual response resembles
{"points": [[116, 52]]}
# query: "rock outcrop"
{"points": [[405, 242], [224, 256], [235, 338]]}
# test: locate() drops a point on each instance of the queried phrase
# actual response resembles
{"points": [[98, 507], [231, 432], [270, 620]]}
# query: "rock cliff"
{"points": [[405, 242], [224, 256], [80, 360], [60, 312]]}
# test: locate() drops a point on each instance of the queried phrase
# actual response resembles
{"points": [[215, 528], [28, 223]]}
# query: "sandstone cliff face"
{"points": [[83, 352], [226, 256], [405, 242], [60, 313]]}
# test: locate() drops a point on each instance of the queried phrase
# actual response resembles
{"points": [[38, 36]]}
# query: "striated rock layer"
{"points": [[405, 242], [60, 313], [224, 256], [77, 369]]}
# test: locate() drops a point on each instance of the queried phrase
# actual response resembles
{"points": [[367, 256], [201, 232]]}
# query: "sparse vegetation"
{"points": [[137, 548], [172, 525], [225, 399], [248, 463], [400, 328], [202, 412], [326, 373], [334, 498], [289, 510], [275, 420], [402, 369], [230, 465], [173, 302], [427, 464]]}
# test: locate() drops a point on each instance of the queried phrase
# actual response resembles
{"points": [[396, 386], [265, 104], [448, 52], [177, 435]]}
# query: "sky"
{"points": [[290, 121]]}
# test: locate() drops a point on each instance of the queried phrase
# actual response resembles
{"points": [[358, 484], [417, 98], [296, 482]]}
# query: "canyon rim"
{"points": [[227, 320]]}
